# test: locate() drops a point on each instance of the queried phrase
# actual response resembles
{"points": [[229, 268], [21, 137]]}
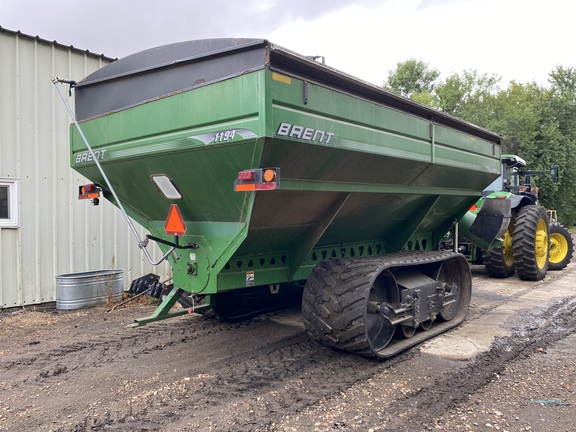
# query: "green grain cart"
{"points": [[262, 174]]}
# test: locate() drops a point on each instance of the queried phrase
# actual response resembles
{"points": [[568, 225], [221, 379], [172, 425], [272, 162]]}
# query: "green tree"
{"points": [[555, 142], [563, 82], [411, 77], [469, 96], [515, 116]]}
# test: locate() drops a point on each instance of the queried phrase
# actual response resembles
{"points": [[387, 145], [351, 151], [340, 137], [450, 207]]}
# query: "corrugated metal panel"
{"points": [[58, 234]]}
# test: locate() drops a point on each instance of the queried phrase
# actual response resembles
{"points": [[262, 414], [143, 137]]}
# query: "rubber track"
{"points": [[525, 243], [334, 300]]}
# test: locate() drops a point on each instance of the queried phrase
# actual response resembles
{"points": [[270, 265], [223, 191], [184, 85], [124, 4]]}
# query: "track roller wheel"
{"points": [[426, 325], [531, 243], [499, 262], [405, 331], [561, 247]]}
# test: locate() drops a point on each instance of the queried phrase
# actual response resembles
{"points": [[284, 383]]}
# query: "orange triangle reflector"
{"points": [[175, 223]]}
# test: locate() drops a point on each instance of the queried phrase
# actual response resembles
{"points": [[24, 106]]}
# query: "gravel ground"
{"points": [[87, 370]]}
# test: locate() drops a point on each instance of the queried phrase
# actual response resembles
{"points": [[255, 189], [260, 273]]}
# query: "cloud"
{"points": [[364, 38], [118, 28], [424, 4]]}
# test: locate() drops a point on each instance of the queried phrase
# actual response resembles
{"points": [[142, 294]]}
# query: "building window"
{"points": [[9, 217]]}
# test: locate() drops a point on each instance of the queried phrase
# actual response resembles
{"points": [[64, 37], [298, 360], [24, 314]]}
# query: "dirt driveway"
{"points": [[510, 367]]}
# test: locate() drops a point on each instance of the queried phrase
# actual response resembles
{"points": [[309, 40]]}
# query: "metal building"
{"points": [[44, 230]]}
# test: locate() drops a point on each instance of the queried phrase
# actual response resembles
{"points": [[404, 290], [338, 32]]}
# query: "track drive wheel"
{"points": [[531, 243], [345, 307], [458, 291], [561, 247], [499, 262]]}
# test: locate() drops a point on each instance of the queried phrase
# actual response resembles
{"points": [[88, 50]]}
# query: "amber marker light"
{"points": [[89, 191], [269, 175], [245, 187]]}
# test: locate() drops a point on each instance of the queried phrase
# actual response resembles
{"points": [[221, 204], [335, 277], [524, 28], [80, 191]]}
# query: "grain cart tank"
{"points": [[279, 172]]}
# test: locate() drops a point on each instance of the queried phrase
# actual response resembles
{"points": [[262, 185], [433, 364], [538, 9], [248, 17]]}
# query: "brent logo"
{"points": [[87, 157], [304, 133]]}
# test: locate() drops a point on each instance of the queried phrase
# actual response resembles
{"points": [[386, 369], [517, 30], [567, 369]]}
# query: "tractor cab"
{"points": [[509, 179], [520, 181], [516, 180], [511, 174]]}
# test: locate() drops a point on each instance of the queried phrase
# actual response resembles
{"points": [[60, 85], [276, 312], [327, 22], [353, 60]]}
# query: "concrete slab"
{"points": [[509, 297]]}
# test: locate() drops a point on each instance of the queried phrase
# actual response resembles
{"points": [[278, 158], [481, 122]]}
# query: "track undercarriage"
{"points": [[375, 307], [378, 307]]}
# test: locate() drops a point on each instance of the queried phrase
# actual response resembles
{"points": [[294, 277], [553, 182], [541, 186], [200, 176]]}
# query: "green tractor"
{"points": [[534, 242]]}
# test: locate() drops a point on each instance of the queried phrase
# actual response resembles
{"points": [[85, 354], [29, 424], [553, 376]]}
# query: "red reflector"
{"points": [[175, 223], [265, 186], [246, 175]]}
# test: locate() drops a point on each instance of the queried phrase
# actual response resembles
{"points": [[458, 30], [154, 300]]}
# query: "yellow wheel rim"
{"points": [[507, 250], [558, 247], [541, 244]]}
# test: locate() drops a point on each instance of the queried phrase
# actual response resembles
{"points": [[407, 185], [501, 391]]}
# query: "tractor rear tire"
{"points": [[561, 247], [499, 262], [531, 243]]}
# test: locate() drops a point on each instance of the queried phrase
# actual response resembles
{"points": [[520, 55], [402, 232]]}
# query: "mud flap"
{"points": [[489, 224]]}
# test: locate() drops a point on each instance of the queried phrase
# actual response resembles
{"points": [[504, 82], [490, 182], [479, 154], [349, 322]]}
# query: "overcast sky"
{"points": [[521, 40]]}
